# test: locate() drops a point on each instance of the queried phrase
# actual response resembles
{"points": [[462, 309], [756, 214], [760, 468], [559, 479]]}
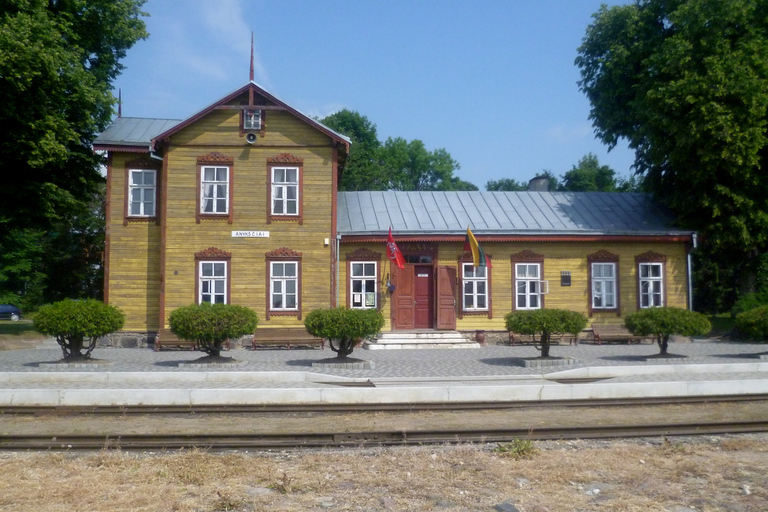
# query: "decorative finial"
{"points": [[119, 103], [251, 56]]}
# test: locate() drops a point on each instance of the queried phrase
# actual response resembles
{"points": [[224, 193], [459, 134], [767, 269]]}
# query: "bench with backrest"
{"points": [[554, 339], [284, 336], [166, 338], [606, 333]]}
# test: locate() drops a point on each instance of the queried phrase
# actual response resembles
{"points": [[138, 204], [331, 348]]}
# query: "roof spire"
{"points": [[251, 56], [119, 103]]}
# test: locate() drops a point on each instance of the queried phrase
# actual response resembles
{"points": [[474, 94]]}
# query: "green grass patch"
{"points": [[19, 330], [722, 324], [518, 449]]}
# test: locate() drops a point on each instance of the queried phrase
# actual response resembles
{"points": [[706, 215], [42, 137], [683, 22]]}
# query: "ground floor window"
{"points": [[284, 280], [213, 282], [603, 285], [363, 277], [651, 277], [528, 285], [475, 288]]}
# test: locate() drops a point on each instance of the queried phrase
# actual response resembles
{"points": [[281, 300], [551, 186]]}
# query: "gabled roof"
{"points": [[502, 213], [133, 131], [260, 91]]}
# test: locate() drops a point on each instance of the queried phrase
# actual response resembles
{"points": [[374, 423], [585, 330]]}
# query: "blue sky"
{"points": [[493, 81]]}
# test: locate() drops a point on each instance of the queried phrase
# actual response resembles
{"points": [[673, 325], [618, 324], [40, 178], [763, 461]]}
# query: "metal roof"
{"points": [[134, 131], [502, 213]]}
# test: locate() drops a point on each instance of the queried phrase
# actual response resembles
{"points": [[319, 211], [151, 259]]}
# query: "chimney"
{"points": [[539, 184]]}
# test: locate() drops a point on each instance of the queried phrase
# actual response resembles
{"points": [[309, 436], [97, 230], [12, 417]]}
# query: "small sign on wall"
{"points": [[250, 234]]}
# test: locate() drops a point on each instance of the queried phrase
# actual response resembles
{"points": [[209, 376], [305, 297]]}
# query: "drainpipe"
{"points": [[338, 246], [152, 154], [690, 271]]}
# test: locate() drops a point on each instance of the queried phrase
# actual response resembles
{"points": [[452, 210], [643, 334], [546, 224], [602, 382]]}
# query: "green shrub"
{"points": [[343, 328], [753, 324], [74, 321], [545, 323], [518, 449], [661, 323], [210, 325], [750, 301]]}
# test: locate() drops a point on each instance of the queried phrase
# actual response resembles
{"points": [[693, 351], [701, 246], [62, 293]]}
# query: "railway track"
{"points": [[264, 428]]}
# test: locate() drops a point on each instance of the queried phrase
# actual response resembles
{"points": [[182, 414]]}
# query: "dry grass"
{"points": [[711, 474]]}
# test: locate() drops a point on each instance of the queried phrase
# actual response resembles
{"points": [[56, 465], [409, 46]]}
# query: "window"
{"points": [[651, 285], [213, 282], [283, 285], [363, 277], [603, 285], [475, 288], [285, 191], [528, 285], [214, 193], [252, 119], [142, 193]]}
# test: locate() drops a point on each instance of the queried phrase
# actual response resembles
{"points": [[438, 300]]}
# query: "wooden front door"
{"points": [[446, 298], [403, 298], [423, 298]]}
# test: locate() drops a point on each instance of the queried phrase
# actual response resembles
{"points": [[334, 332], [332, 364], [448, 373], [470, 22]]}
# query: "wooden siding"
{"points": [[558, 257]]}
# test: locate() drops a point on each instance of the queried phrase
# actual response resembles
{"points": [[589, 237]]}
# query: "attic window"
{"points": [[252, 120]]}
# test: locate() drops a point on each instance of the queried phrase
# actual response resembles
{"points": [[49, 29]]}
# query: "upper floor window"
{"points": [[363, 277], [214, 194], [475, 288], [142, 192], [651, 282], [285, 191], [213, 282], [603, 285], [528, 285], [284, 285], [252, 119]]}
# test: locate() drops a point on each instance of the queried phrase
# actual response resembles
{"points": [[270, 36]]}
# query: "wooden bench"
{"points": [[612, 332], [166, 338], [554, 339], [286, 336]]}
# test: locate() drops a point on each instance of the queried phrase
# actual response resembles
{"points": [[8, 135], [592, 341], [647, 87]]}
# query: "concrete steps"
{"points": [[419, 339]]}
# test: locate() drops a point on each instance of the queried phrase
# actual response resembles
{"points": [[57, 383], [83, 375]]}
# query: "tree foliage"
{"points": [[685, 82], [57, 62], [397, 164], [664, 322], [753, 324], [505, 185], [210, 325], [544, 323], [343, 327], [74, 321]]}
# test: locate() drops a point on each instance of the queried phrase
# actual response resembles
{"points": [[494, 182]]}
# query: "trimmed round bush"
{"points": [[545, 323], [664, 322], [343, 327], [210, 325], [71, 322], [753, 324]]}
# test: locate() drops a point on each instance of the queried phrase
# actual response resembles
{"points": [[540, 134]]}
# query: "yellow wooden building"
{"points": [[239, 204]]}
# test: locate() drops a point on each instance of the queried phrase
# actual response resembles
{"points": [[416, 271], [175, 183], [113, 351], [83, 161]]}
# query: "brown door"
{"points": [[423, 299], [446, 298], [403, 298]]}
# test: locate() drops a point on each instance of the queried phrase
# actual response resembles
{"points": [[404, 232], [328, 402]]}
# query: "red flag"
{"points": [[393, 252]]}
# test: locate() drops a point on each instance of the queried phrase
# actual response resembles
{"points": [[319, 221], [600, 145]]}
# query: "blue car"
{"points": [[9, 312]]}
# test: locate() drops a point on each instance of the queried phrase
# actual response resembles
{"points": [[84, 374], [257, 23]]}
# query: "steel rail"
{"points": [[378, 438], [348, 408]]}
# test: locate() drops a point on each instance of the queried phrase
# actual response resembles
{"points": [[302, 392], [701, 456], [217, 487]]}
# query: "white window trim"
{"points": [[641, 279], [528, 294], [142, 202], [363, 279], [256, 125], [215, 184], [284, 185], [212, 279], [283, 280], [474, 280], [603, 280]]}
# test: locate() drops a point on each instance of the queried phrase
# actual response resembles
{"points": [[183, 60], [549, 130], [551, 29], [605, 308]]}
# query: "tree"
{"points": [[74, 321], [57, 62], [343, 328], [505, 185], [664, 322], [589, 176], [685, 82], [210, 325], [545, 323]]}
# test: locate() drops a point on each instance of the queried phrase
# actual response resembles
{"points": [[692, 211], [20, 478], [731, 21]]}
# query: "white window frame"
{"points": [[279, 284], [600, 285], [474, 281], [217, 185], [652, 282], [209, 279], [281, 189], [144, 191], [531, 286], [364, 298], [251, 119]]}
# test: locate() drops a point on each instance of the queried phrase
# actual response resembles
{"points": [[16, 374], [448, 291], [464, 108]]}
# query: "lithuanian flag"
{"points": [[479, 259]]}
